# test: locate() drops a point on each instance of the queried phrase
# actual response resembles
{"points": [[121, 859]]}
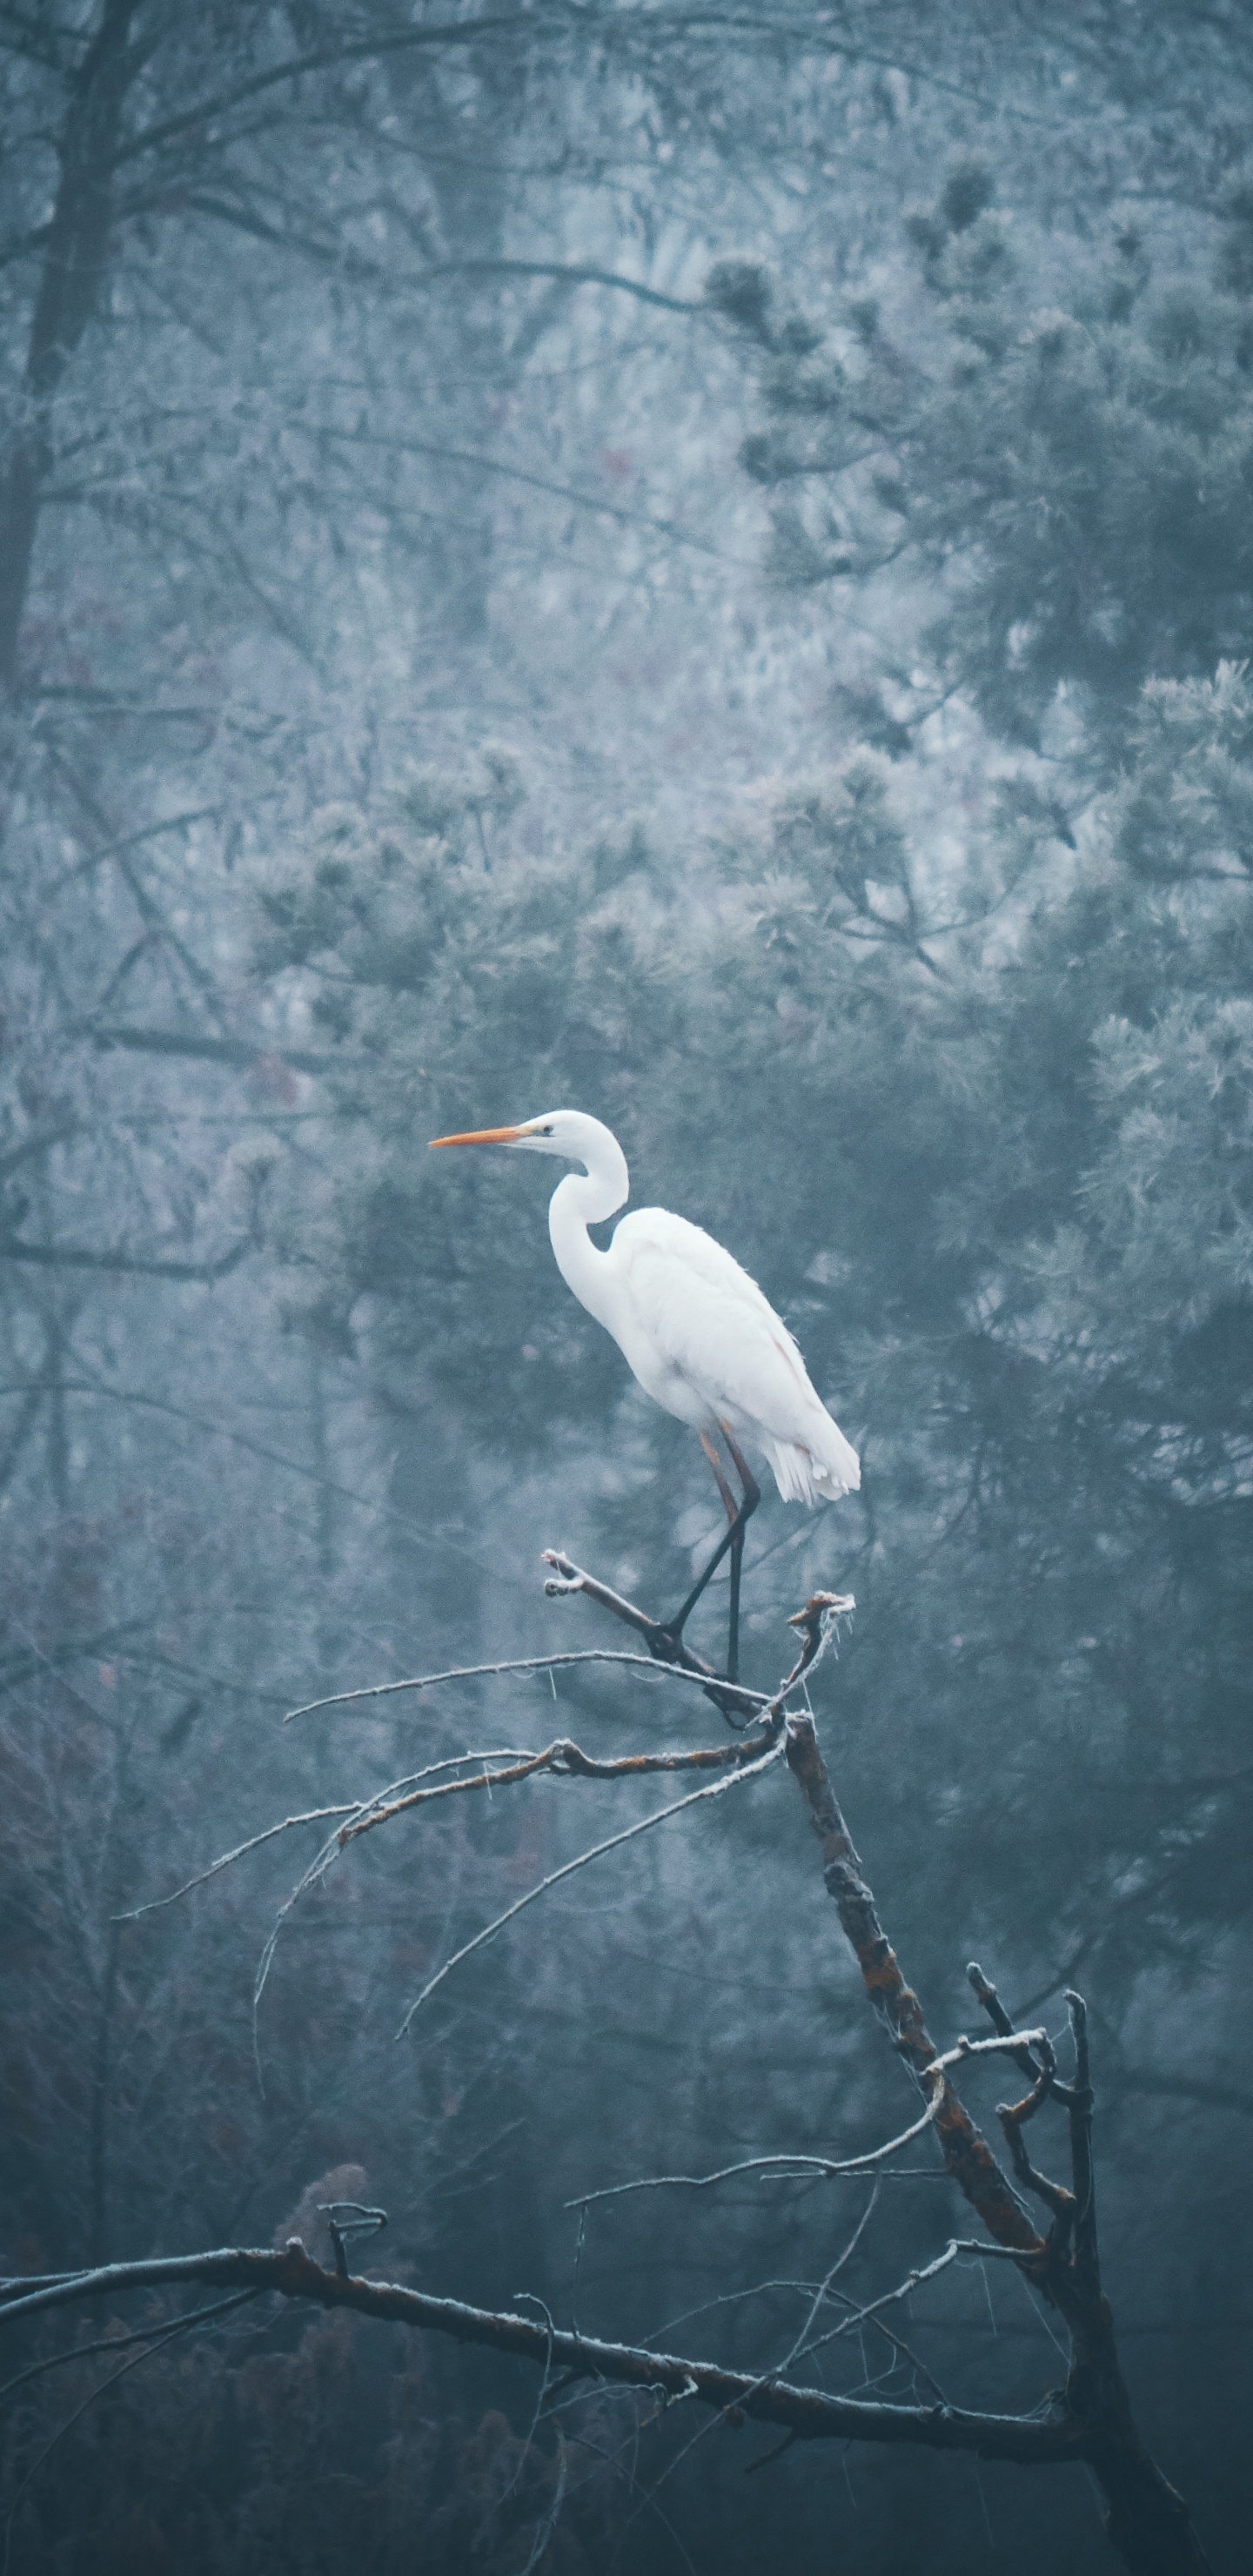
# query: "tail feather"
{"points": [[815, 1474]]}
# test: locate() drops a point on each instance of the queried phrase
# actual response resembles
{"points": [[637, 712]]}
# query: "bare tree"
{"points": [[1088, 2421]]}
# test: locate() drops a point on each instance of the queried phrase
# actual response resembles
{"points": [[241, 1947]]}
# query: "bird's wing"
{"points": [[710, 1323]]}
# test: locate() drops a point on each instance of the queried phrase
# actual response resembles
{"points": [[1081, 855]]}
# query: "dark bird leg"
{"points": [[752, 1497], [732, 1541], [729, 1503]]}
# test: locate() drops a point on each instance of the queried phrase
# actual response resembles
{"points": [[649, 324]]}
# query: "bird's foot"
{"points": [[665, 1640], [663, 1637]]}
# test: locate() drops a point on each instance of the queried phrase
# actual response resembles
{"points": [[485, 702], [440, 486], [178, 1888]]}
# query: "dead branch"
{"points": [[749, 1699], [811, 2413], [746, 1771], [737, 1761], [562, 1758], [1147, 2522], [566, 1760], [755, 1755], [310, 1816], [567, 1578], [966, 2152], [791, 2167], [1090, 2420]]}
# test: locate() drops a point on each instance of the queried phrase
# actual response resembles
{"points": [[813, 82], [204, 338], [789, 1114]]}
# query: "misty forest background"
{"points": [[699, 565]]}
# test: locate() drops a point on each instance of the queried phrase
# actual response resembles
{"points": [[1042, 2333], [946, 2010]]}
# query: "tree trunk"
{"points": [[1146, 2521], [69, 287]]}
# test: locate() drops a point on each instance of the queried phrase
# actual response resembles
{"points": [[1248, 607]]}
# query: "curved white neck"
{"points": [[583, 1199]]}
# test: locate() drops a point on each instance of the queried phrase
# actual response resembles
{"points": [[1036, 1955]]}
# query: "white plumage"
{"points": [[706, 1344], [695, 1329]]}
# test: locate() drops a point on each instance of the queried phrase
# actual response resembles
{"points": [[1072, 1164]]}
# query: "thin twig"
{"points": [[311, 1816], [814, 1621], [805, 2290], [787, 2166], [987, 1995], [822, 2292], [123, 2343], [1087, 2256], [747, 1771], [519, 1664], [735, 2413], [769, 2457], [322, 1861], [156, 2343], [889, 2298], [532, 2299], [549, 2524]]}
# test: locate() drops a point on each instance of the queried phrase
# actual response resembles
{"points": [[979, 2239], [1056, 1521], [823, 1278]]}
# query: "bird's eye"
{"points": [[544, 1131]]}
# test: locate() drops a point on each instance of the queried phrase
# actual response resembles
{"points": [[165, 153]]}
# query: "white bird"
{"points": [[695, 1329]]}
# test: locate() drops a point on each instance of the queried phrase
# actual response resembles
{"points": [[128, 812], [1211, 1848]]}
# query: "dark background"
{"points": [[698, 566]]}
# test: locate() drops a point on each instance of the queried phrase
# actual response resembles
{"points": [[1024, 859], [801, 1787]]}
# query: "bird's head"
{"points": [[568, 1133]]}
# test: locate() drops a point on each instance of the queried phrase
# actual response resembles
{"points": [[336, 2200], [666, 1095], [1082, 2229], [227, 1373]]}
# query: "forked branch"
{"points": [[1090, 2421], [1147, 2522]]}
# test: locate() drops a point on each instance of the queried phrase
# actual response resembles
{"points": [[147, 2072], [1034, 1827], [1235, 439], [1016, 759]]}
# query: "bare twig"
{"points": [[805, 2290], [768, 2458], [814, 1622], [566, 1760], [889, 2298], [156, 2342], [314, 1816], [311, 1816], [1013, 2117], [114, 2344], [997, 2015], [519, 1664], [1087, 2258], [644, 1825], [1092, 2420], [791, 2167], [360, 2221], [735, 2414]]}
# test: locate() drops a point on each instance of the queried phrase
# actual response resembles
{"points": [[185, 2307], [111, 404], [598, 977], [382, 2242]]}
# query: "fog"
{"points": [[695, 566]]}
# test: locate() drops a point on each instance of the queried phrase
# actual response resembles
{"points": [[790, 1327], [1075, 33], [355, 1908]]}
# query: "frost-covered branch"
{"points": [[788, 2168], [749, 1699], [1091, 2420], [811, 2413]]}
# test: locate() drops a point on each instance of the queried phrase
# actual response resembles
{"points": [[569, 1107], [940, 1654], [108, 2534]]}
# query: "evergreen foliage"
{"points": [[979, 1122], [402, 737]]}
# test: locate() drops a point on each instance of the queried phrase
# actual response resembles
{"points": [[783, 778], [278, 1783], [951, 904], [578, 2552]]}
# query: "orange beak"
{"points": [[482, 1136]]}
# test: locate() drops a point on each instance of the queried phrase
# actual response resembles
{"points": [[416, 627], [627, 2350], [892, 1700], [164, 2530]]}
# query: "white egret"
{"points": [[695, 1329]]}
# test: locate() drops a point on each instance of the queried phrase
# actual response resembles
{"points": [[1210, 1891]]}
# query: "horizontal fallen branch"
{"points": [[811, 2414]]}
